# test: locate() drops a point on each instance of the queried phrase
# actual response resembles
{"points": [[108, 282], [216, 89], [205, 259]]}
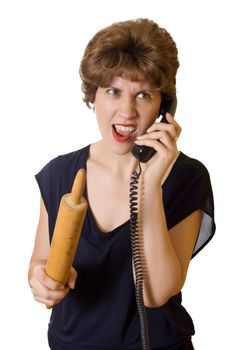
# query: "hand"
{"points": [[162, 137], [47, 291]]}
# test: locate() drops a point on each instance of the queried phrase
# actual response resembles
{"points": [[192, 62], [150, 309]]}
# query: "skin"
{"points": [[166, 254]]}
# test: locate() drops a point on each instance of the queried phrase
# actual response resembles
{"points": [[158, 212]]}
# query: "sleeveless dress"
{"points": [[101, 313]]}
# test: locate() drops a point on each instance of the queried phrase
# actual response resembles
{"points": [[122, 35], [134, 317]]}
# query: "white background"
{"points": [[42, 115]]}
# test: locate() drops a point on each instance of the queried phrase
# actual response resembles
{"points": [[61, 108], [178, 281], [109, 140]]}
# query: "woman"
{"points": [[128, 73]]}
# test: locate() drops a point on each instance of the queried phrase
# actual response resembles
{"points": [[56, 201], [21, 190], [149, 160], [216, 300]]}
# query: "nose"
{"points": [[127, 108]]}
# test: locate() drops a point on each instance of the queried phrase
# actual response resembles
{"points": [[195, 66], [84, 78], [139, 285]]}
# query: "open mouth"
{"points": [[123, 133]]}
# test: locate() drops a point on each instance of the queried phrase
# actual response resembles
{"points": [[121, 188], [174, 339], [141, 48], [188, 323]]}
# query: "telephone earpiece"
{"points": [[168, 105]]}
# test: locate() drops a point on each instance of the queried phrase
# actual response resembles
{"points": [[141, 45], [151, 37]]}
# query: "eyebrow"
{"points": [[138, 91]]}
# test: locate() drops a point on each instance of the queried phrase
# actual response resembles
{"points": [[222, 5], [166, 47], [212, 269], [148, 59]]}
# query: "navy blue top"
{"points": [[100, 313]]}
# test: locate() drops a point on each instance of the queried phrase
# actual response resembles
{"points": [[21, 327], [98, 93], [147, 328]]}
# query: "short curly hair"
{"points": [[128, 49]]}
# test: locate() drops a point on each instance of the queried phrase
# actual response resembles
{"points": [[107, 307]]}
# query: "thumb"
{"points": [[72, 278]]}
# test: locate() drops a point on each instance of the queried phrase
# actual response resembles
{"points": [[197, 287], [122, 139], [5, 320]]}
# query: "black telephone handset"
{"points": [[144, 153]]}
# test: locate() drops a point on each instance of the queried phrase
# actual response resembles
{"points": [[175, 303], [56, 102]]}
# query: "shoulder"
{"points": [[187, 189], [57, 176], [190, 165], [66, 162], [60, 171], [189, 176], [188, 170]]}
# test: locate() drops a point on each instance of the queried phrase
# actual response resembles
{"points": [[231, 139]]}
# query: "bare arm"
{"points": [[41, 244], [166, 254], [45, 289]]}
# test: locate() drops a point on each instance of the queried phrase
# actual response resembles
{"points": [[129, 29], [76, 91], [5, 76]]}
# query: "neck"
{"points": [[122, 164]]}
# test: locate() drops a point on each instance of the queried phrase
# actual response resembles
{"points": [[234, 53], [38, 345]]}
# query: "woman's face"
{"points": [[124, 110]]}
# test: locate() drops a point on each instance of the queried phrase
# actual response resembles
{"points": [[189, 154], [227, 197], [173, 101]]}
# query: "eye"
{"points": [[143, 95], [113, 91]]}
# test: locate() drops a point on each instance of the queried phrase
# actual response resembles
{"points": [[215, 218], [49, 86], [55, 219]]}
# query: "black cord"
{"points": [[135, 246]]}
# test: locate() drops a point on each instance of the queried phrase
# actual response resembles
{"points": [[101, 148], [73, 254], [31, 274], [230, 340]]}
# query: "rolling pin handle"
{"points": [[78, 187]]}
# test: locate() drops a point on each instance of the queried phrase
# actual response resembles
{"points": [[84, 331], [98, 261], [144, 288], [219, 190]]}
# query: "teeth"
{"points": [[125, 128]]}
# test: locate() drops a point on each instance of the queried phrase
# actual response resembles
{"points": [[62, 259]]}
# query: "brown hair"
{"points": [[127, 49]]}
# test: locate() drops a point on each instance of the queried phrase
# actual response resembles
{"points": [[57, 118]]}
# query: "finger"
{"points": [[164, 126], [153, 134], [161, 136], [44, 301], [49, 301], [156, 140], [171, 119], [157, 145], [48, 282], [49, 295], [72, 278], [172, 129]]}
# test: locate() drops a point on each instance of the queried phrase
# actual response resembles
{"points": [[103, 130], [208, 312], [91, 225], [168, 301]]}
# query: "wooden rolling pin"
{"points": [[67, 231]]}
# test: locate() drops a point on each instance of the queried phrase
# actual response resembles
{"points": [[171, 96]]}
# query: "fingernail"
{"points": [[148, 130]]}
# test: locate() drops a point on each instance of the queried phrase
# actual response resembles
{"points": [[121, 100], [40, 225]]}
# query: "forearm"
{"points": [[162, 270]]}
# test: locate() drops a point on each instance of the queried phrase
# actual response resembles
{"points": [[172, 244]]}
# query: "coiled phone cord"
{"points": [[135, 246]]}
